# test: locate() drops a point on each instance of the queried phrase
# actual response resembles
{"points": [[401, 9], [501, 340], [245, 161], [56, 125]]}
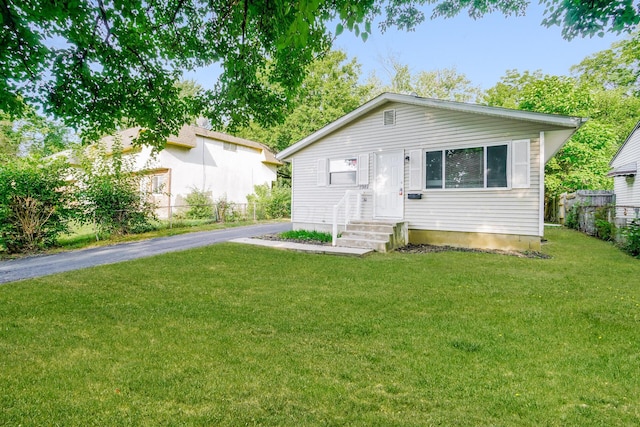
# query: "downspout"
{"points": [[542, 164]]}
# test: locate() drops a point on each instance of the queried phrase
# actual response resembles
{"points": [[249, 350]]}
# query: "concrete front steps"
{"points": [[381, 236]]}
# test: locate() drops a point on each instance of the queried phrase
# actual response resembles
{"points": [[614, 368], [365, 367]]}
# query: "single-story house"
{"points": [[624, 168], [453, 173], [223, 165]]}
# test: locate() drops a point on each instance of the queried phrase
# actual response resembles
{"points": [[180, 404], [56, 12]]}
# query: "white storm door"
{"points": [[388, 187]]}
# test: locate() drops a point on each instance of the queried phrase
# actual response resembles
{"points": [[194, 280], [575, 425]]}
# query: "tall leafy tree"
{"points": [[330, 90], [32, 134], [446, 83], [616, 68], [95, 62], [583, 162]]}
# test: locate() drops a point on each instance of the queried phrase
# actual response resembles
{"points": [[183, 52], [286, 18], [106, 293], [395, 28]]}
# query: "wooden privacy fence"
{"points": [[587, 200], [593, 212]]}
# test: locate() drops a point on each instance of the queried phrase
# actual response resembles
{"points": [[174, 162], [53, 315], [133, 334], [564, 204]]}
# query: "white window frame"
{"points": [[508, 171], [355, 172], [158, 182], [229, 146]]}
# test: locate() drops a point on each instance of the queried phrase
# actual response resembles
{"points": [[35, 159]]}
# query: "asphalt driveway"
{"points": [[42, 265]]}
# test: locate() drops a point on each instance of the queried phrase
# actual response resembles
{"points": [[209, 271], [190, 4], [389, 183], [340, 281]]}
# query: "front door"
{"points": [[388, 185]]}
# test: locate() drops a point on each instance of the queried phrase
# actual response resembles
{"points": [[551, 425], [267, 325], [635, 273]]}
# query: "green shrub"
{"points": [[200, 205], [111, 195], [270, 203], [631, 234], [306, 235], [36, 204], [605, 229], [572, 219]]}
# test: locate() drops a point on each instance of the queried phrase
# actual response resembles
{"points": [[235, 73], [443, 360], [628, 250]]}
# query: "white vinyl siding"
{"points": [[627, 189], [417, 130]]}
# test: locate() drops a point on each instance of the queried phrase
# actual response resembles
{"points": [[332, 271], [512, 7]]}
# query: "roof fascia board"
{"points": [[542, 118]]}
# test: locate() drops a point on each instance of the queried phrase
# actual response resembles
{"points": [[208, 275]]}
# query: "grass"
{"points": [[237, 335]]}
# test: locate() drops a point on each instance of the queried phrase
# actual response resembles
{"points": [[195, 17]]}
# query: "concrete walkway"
{"points": [[301, 247], [43, 265]]}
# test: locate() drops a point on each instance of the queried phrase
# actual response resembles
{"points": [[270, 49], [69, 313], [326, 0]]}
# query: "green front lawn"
{"points": [[240, 335]]}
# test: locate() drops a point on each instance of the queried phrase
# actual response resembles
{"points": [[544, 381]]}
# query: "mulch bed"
{"points": [[422, 249]]}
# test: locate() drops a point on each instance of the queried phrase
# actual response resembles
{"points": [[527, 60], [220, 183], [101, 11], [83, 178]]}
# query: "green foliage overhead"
{"points": [[95, 63], [580, 18]]}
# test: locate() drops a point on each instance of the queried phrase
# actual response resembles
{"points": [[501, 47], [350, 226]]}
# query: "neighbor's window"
{"points": [[228, 146], [157, 184], [343, 171], [477, 167]]}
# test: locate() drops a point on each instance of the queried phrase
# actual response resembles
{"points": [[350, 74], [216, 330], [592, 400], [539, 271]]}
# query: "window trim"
{"points": [[158, 182], [508, 171]]}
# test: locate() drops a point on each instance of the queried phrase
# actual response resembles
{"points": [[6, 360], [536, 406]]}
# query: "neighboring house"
{"points": [[222, 165], [457, 174], [625, 184]]}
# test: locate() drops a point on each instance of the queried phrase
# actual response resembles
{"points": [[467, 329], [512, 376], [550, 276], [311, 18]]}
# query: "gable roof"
{"points": [[387, 97], [635, 129], [187, 138]]}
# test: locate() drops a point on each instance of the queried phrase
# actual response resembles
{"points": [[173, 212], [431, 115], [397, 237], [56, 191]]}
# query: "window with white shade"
{"points": [[343, 171]]}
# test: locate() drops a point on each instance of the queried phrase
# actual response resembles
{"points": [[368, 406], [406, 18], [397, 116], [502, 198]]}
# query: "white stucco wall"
{"points": [[209, 167]]}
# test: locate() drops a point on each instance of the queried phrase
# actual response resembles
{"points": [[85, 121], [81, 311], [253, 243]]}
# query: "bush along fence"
{"points": [[595, 213], [213, 212]]}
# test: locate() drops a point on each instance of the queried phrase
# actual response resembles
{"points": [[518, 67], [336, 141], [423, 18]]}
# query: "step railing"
{"points": [[346, 202]]}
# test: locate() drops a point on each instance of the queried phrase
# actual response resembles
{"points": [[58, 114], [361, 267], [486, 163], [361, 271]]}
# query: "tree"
{"points": [[445, 84], [93, 63], [330, 90], [32, 134], [588, 17], [617, 68], [583, 162]]}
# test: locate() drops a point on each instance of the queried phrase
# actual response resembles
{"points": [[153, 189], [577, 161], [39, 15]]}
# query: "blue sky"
{"points": [[482, 49]]}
